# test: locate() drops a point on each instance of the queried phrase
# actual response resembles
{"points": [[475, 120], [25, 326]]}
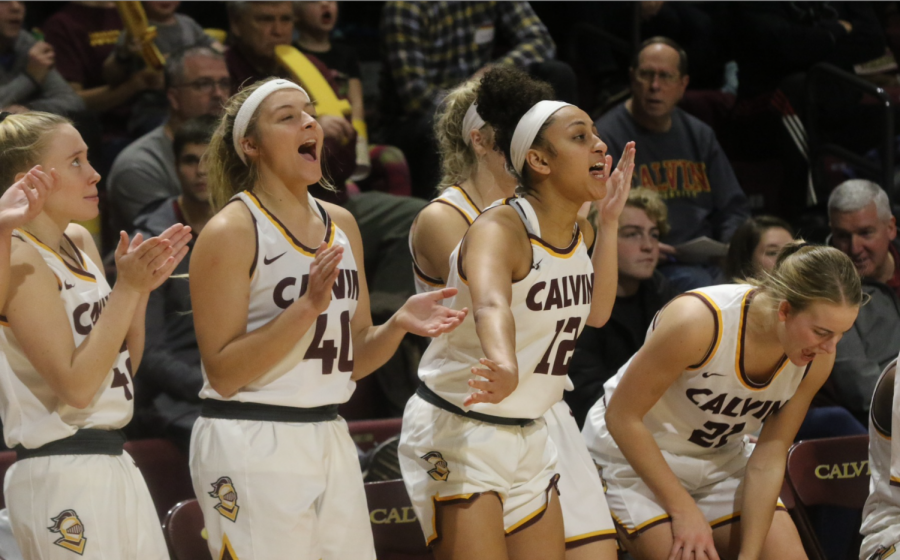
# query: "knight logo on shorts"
{"points": [[440, 470], [223, 489], [71, 531]]}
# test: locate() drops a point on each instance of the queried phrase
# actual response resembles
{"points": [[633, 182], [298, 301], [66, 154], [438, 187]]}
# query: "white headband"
{"points": [[472, 121], [245, 113], [527, 129]]}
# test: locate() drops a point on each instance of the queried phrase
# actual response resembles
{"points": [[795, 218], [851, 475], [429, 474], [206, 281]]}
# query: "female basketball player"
{"points": [[523, 267], [474, 175], [282, 316], [70, 348], [881, 516], [719, 363]]}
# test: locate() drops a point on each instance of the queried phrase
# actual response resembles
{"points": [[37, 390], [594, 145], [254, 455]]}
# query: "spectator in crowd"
{"points": [[862, 227], [174, 33], [28, 79], [197, 84], [679, 157], [168, 387], [83, 35], [430, 47], [775, 44], [641, 292], [755, 246], [315, 21]]}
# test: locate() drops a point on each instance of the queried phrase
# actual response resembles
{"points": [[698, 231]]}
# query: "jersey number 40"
{"points": [[325, 349]]}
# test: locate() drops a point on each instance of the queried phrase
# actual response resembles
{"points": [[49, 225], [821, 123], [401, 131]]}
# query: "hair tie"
{"points": [[3, 115], [248, 108], [472, 121], [527, 129]]}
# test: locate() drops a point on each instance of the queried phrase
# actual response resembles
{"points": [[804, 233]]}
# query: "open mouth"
{"points": [[598, 170], [308, 150], [327, 17]]}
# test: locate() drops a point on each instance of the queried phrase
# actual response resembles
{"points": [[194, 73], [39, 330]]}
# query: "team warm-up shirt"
{"points": [[456, 198], [549, 306], [317, 370], [32, 414], [712, 404], [882, 509]]}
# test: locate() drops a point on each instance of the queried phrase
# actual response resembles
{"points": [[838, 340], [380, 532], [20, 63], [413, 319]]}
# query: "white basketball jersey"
{"points": [[882, 509], [713, 404], [317, 370], [32, 414], [456, 198], [549, 307]]}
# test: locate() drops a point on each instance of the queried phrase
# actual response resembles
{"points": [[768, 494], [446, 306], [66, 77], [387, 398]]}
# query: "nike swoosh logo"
{"points": [[708, 374], [267, 260], [68, 286]]}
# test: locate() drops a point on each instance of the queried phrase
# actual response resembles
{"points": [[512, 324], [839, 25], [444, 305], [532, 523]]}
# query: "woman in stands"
{"points": [[718, 364], [881, 515], [755, 246], [282, 316], [474, 175], [70, 349], [474, 451]]}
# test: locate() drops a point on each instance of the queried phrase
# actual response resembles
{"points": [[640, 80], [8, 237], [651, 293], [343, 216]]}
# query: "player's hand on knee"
{"points": [[323, 272], [494, 383], [423, 314], [692, 537]]}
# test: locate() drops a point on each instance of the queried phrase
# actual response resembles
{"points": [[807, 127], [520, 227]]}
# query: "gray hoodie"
{"points": [[54, 95]]}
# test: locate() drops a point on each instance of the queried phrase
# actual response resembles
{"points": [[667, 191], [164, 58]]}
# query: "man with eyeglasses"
{"points": [[197, 83], [678, 156]]}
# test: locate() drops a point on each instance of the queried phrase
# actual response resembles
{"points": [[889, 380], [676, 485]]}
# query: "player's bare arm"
{"points": [[683, 336], [604, 258], [220, 297], [765, 468], [422, 314], [495, 253], [435, 233]]}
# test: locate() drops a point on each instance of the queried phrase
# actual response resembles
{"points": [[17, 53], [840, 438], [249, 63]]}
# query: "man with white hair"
{"points": [[863, 228]]}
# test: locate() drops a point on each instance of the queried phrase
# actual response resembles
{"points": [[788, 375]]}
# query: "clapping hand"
{"points": [[24, 200]]}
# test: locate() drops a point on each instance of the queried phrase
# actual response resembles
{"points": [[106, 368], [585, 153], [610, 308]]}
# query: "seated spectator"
{"points": [[197, 84], [863, 228], [430, 47], [83, 35], [315, 21], [678, 156], [174, 33], [169, 384], [28, 80], [755, 246], [641, 292]]}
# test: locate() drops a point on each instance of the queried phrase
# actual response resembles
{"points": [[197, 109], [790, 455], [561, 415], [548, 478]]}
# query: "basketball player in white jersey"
{"points": [[473, 450], [718, 364], [71, 346], [282, 316], [474, 175], [881, 515]]}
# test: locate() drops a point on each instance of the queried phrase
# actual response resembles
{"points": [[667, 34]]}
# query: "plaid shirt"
{"points": [[430, 47]]}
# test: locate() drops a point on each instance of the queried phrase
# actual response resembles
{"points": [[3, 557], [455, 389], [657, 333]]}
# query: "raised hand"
{"points": [[692, 536], [24, 200], [617, 186], [423, 315], [143, 266], [322, 274], [499, 382], [40, 60]]}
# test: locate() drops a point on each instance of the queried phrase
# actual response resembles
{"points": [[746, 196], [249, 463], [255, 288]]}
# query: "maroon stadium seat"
{"points": [[182, 528], [367, 434], [7, 458], [394, 524], [165, 468]]}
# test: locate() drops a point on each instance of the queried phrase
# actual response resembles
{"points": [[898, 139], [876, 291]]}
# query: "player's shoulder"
{"points": [[233, 227]]}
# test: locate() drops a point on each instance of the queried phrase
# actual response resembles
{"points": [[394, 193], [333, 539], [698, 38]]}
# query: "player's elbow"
{"points": [[221, 384], [75, 396], [597, 319]]}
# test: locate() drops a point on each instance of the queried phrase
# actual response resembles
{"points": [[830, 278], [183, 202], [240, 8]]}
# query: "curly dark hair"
{"points": [[505, 95]]}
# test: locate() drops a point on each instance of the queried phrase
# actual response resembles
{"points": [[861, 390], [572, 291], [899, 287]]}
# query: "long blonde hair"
{"points": [[23, 138], [458, 159], [806, 273], [227, 173]]}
